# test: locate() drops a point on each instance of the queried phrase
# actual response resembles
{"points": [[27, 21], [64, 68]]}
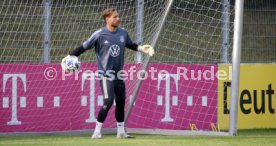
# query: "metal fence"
{"points": [[259, 32]]}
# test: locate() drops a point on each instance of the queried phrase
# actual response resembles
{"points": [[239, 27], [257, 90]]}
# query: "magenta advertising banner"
{"points": [[42, 98]]}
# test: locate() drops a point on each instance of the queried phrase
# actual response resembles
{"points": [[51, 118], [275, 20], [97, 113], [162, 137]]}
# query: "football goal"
{"points": [[174, 92]]}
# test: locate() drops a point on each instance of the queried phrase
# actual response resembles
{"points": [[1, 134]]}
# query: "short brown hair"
{"points": [[107, 12]]}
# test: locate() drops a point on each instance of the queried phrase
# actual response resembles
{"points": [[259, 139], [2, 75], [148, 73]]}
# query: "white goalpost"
{"points": [[175, 92]]}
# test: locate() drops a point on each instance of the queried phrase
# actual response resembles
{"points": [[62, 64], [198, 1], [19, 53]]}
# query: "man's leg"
{"points": [[120, 99], [108, 93]]}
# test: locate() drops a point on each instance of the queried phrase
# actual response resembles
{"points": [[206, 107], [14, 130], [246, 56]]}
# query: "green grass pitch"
{"points": [[244, 138]]}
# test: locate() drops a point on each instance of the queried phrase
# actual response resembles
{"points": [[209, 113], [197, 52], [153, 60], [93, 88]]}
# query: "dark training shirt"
{"points": [[109, 48]]}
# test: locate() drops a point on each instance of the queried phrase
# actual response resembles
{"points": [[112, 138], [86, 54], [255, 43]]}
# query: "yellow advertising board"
{"points": [[257, 96]]}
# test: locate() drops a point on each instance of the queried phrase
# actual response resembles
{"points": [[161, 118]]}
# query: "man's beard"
{"points": [[114, 25]]}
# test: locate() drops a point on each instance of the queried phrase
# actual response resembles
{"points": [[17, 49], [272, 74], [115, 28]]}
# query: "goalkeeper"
{"points": [[110, 43]]}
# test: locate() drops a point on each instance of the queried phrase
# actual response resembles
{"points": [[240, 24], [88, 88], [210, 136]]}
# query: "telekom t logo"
{"points": [[167, 78], [91, 77], [14, 77]]}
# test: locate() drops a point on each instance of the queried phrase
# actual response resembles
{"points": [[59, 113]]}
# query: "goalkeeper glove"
{"points": [[147, 49]]}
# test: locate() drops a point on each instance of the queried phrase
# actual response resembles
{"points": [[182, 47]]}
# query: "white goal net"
{"points": [[179, 91]]}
